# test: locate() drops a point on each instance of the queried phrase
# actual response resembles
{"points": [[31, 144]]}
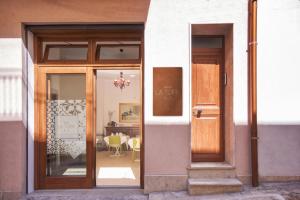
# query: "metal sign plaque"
{"points": [[167, 91]]}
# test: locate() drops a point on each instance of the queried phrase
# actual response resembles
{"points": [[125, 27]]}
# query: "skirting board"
{"points": [[10, 195], [279, 178], [158, 183], [247, 179]]}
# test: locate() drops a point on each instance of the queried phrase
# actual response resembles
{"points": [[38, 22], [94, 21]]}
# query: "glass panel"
{"points": [[202, 42], [118, 139], [65, 50], [66, 125], [122, 52]]}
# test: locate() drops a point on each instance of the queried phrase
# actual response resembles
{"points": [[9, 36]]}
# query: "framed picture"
{"points": [[129, 112]]}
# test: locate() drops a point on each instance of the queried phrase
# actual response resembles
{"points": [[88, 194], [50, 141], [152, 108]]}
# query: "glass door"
{"points": [[65, 149]]}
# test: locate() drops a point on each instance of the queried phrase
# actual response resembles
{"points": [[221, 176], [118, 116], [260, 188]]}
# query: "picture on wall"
{"points": [[129, 112]]}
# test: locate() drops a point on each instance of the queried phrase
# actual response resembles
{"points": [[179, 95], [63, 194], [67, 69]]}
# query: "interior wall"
{"points": [[109, 97]]}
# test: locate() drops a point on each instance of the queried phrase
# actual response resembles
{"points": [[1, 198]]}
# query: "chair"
{"points": [[135, 147], [115, 142]]}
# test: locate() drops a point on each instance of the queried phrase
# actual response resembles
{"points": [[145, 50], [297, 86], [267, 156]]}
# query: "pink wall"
{"points": [[167, 149], [242, 150], [278, 150], [13, 157]]}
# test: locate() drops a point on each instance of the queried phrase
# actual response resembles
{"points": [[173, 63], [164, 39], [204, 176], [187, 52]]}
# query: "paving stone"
{"points": [[266, 191]]}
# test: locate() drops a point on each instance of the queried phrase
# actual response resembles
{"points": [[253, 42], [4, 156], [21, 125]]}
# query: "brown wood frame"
{"points": [[69, 181], [217, 52], [90, 36], [90, 66], [116, 61], [49, 46]]}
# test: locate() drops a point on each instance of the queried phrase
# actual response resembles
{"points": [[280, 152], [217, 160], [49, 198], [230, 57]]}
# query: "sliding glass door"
{"points": [[65, 146]]}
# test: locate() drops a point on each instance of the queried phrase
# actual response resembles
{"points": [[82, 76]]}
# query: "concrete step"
{"points": [[197, 186], [211, 170]]}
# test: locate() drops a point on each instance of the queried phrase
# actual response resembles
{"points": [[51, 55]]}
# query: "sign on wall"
{"points": [[167, 91]]}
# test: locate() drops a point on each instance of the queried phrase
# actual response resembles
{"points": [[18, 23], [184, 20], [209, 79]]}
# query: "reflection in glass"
{"points": [[67, 52], [122, 52], [66, 125], [207, 42]]}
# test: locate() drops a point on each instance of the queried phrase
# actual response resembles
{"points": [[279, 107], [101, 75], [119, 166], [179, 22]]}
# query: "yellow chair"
{"points": [[115, 142], [135, 147]]}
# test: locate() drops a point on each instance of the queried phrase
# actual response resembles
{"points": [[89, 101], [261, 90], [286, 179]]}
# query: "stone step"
{"points": [[211, 170], [87, 194], [197, 186]]}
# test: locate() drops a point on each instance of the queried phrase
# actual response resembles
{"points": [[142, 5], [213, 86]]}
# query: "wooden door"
{"points": [[207, 105], [64, 150]]}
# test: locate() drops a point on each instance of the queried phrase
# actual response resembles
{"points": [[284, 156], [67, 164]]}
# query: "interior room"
{"points": [[118, 128]]}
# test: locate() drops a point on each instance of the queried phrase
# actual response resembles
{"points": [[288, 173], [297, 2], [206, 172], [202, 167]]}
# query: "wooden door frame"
{"points": [[42, 180], [91, 65], [217, 52]]}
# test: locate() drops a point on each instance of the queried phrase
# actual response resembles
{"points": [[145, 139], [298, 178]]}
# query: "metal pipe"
{"points": [[252, 66]]}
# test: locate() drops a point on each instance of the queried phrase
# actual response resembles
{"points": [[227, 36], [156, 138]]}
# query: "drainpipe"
{"points": [[252, 67]]}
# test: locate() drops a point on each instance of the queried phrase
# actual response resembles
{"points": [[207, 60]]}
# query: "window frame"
{"points": [[97, 58], [45, 54]]}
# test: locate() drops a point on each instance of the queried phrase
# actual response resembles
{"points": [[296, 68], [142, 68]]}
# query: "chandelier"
{"points": [[121, 82]]}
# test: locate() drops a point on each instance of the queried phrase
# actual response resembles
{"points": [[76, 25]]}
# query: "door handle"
{"points": [[196, 112]]}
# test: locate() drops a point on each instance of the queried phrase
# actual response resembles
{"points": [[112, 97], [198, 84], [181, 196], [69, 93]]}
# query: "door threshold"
{"points": [[210, 165]]}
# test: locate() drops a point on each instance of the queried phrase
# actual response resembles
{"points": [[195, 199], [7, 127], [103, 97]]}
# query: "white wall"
{"points": [[11, 79], [279, 88], [109, 97], [167, 44], [278, 62]]}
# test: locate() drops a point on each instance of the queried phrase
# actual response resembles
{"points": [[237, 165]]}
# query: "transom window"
{"points": [[65, 51], [91, 51], [123, 51]]}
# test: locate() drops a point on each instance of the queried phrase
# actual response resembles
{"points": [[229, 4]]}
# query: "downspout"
{"points": [[252, 67]]}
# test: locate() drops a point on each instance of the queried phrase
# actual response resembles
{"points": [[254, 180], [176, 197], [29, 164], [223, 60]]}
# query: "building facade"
{"points": [[170, 35]]}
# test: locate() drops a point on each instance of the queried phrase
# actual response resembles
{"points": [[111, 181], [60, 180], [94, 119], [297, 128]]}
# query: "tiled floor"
{"points": [[117, 170]]}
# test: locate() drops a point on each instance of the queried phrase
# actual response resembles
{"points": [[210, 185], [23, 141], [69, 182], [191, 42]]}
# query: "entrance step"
{"points": [[200, 186], [87, 194], [211, 170]]}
